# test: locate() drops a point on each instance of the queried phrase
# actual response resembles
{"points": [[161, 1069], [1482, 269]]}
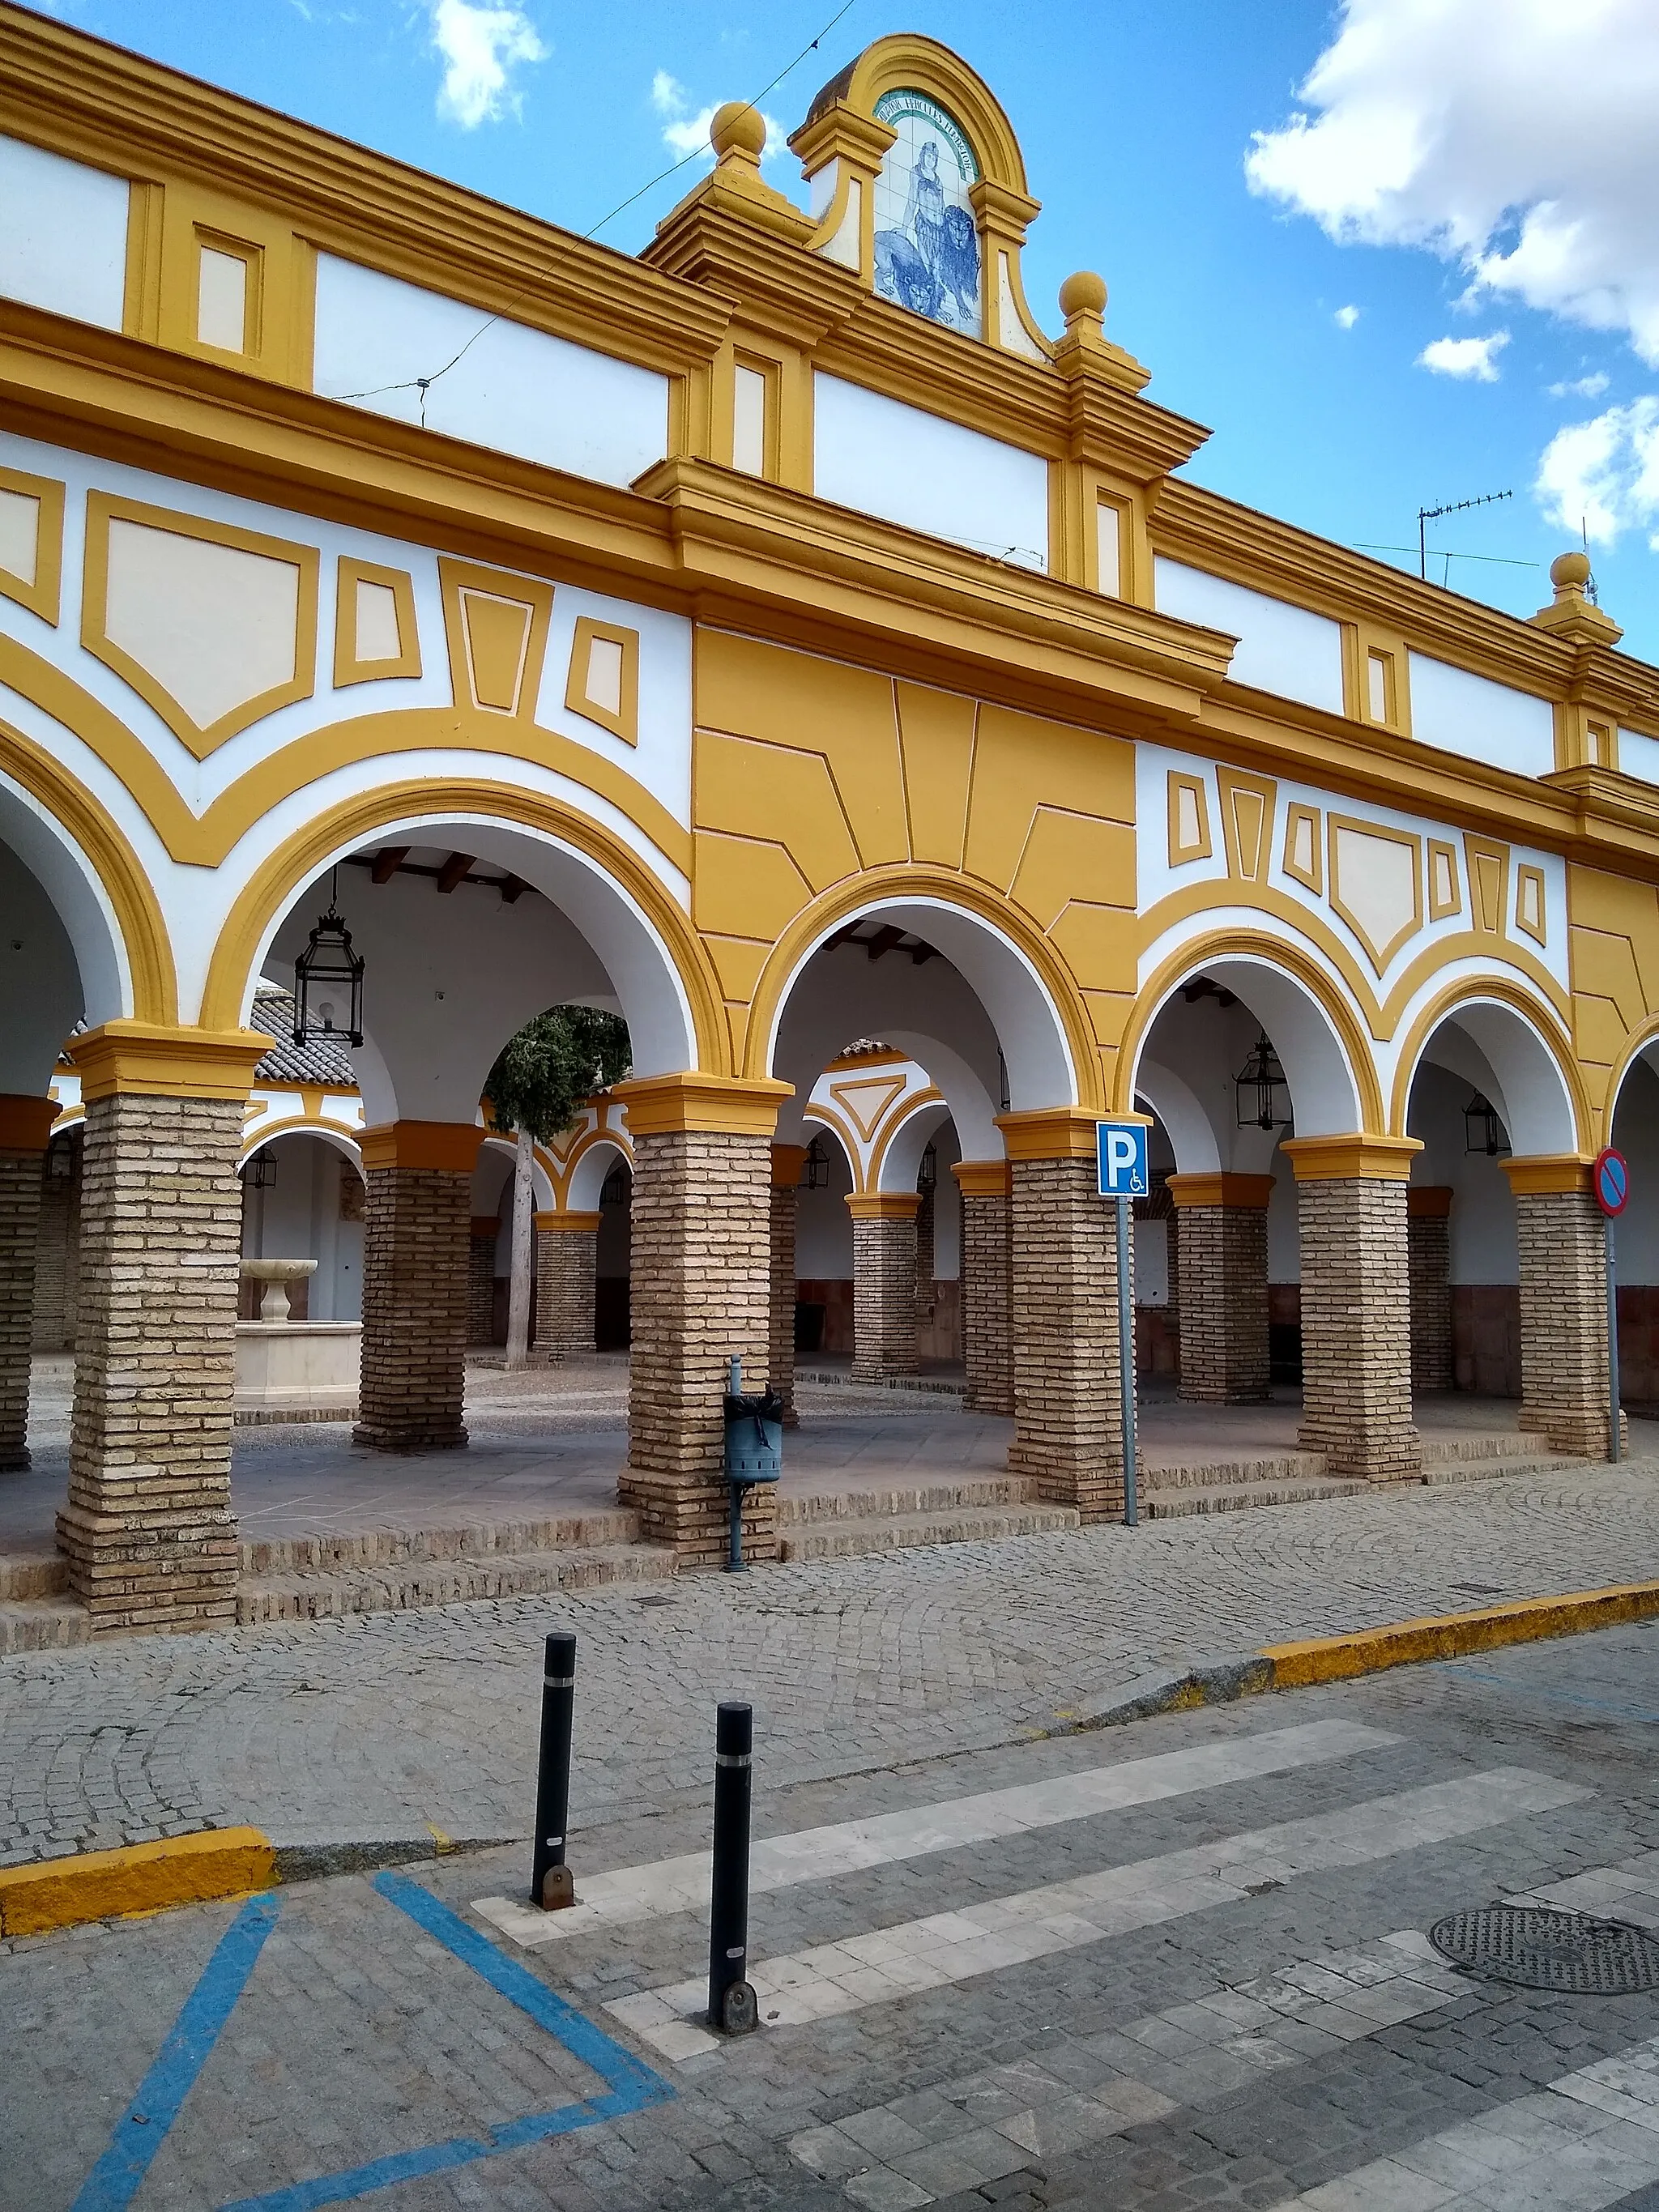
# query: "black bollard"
{"points": [[731, 2000], [551, 1884]]}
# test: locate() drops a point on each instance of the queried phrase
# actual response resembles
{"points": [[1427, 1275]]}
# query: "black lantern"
{"points": [[617, 1187], [815, 1168], [1259, 1083], [261, 1173], [1482, 1130], [60, 1160], [927, 1173], [328, 976]]}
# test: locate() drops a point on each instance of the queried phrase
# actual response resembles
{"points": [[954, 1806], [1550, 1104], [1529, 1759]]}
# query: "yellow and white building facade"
{"points": [[786, 639]]}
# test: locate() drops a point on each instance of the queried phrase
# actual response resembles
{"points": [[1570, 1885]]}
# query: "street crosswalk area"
{"points": [[1181, 1964]]}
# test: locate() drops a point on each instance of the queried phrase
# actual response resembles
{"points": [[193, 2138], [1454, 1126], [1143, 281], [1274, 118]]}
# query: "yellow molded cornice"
{"points": [[148, 1060], [1055, 1132], [441, 1147], [1247, 1193], [552, 1224], [1550, 1176], [981, 1178], [1339, 1159], [883, 1205], [669, 1105], [26, 1122], [788, 1161]]}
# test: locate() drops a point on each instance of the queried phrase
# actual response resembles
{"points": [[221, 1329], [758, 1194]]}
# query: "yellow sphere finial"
{"points": [[1083, 294], [739, 128], [1569, 572]]}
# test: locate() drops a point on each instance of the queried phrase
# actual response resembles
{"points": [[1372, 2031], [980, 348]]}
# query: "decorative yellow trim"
{"points": [[865, 1114], [97, 836], [1531, 916], [1549, 1020], [1376, 659], [561, 1171], [1248, 944], [883, 885], [1488, 866], [666, 1105], [439, 1147], [494, 660], [883, 1205], [146, 1060], [1335, 1159], [1636, 1044], [1248, 1194], [903, 61], [205, 240], [274, 883], [298, 1124], [788, 1161], [1055, 1133], [552, 1224], [1195, 787], [104, 509], [1550, 1175], [906, 1111], [349, 667], [983, 1178], [624, 721], [1445, 891], [1302, 829], [825, 1117], [1378, 955], [26, 1122], [38, 593], [1248, 804]]}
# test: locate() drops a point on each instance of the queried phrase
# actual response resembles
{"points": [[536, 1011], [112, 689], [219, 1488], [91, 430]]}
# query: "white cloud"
{"points": [[1604, 473], [1346, 317], [481, 46], [685, 133], [1581, 387], [1515, 137], [1474, 359]]}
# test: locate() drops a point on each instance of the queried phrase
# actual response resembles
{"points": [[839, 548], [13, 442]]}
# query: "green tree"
{"points": [[536, 1089]]}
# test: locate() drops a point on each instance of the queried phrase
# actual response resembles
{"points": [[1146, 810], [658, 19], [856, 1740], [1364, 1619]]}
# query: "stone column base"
{"points": [[883, 1284], [987, 1353], [418, 1216], [1564, 1381], [567, 1271], [1428, 1235], [1223, 1310], [1356, 1306], [25, 1124]]}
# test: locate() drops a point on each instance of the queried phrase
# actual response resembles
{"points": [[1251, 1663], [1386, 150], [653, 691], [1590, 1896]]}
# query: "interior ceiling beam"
{"points": [[386, 863], [454, 871]]}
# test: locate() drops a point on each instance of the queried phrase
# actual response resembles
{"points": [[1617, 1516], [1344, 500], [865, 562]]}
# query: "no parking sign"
{"points": [[1610, 1179]]}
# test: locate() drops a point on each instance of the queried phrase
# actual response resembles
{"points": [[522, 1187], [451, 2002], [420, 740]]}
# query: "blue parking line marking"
{"points": [[142, 2128], [630, 2085]]}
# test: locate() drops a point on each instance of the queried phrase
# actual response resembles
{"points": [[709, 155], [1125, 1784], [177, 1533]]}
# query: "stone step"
{"points": [[32, 1571], [404, 1587], [1501, 1465], [903, 1532], [43, 1624], [476, 1541], [1240, 1497], [1492, 1444], [1213, 1473], [837, 1379], [882, 1502]]}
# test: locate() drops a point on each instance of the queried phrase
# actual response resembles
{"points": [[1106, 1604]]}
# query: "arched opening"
{"points": [[303, 1199], [1634, 1131]]}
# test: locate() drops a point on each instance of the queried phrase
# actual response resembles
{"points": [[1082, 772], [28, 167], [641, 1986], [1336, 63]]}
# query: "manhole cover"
{"points": [[1542, 1949]]}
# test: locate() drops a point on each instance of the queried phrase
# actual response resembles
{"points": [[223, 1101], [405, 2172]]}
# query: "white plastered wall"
{"points": [[63, 235], [1281, 648]]}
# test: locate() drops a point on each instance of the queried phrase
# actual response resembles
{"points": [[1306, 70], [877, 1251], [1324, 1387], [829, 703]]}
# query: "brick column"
{"points": [[1223, 1317], [58, 1255], [787, 1162], [1428, 1245], [25, 1125], [1563, 1305], [480, 1278], [148, 1529], [987, 1353], [567, 1269], [700, 1295], [418, 1223], [883, 1283], [1356, 1304], [1068, 1434]]}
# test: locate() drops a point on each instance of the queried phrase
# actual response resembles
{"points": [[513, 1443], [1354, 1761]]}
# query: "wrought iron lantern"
{"points": [[261, 1173], [328, 976], [614, 1190], [927, 1173], [815, 1168], [1264, 1095], [60, 1160], [1483, 1131]]}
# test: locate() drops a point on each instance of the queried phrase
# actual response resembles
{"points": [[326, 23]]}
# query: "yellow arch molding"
{"points": [[1635, 1044], [881, 1143], [274, 883], [842, 1131], [902, 880], [298, 1124], [203, 841], [905, 58], [1461, 993], [1470, 945], [99, 840], [617, 1139], [1272, 952]]}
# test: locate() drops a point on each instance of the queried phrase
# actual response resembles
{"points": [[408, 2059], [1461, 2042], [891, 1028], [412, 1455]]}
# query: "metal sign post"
{"points": [[1610, 1180], [1123, 1177]]}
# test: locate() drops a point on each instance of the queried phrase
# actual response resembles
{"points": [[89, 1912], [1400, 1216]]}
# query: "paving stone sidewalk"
{"points": [[370, 1729]]}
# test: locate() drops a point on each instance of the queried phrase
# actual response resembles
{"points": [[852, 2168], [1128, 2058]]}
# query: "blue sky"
{"points": [[1476, 178]]}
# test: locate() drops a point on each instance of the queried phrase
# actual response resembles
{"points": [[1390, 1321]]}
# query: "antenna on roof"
{"points": [[1426, 515]]}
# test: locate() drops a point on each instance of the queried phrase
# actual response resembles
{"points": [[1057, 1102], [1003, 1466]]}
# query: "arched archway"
{"points": [[308, 1207]]}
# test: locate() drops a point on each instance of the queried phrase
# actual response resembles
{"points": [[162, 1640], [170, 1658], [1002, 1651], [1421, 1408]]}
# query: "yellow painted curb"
{"points": [[141, 1878], [1451, 1634]]}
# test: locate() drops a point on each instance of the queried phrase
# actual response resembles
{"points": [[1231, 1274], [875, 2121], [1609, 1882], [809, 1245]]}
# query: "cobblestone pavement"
{"points": [[370, 1727], [1291, 2042]]}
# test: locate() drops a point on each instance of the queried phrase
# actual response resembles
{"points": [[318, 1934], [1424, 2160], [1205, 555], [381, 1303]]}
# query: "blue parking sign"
{"points": [[1123, 1154]]}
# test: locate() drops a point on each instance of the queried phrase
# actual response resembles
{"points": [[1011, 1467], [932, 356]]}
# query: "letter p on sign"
{"points": [[1122, 1153]]}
